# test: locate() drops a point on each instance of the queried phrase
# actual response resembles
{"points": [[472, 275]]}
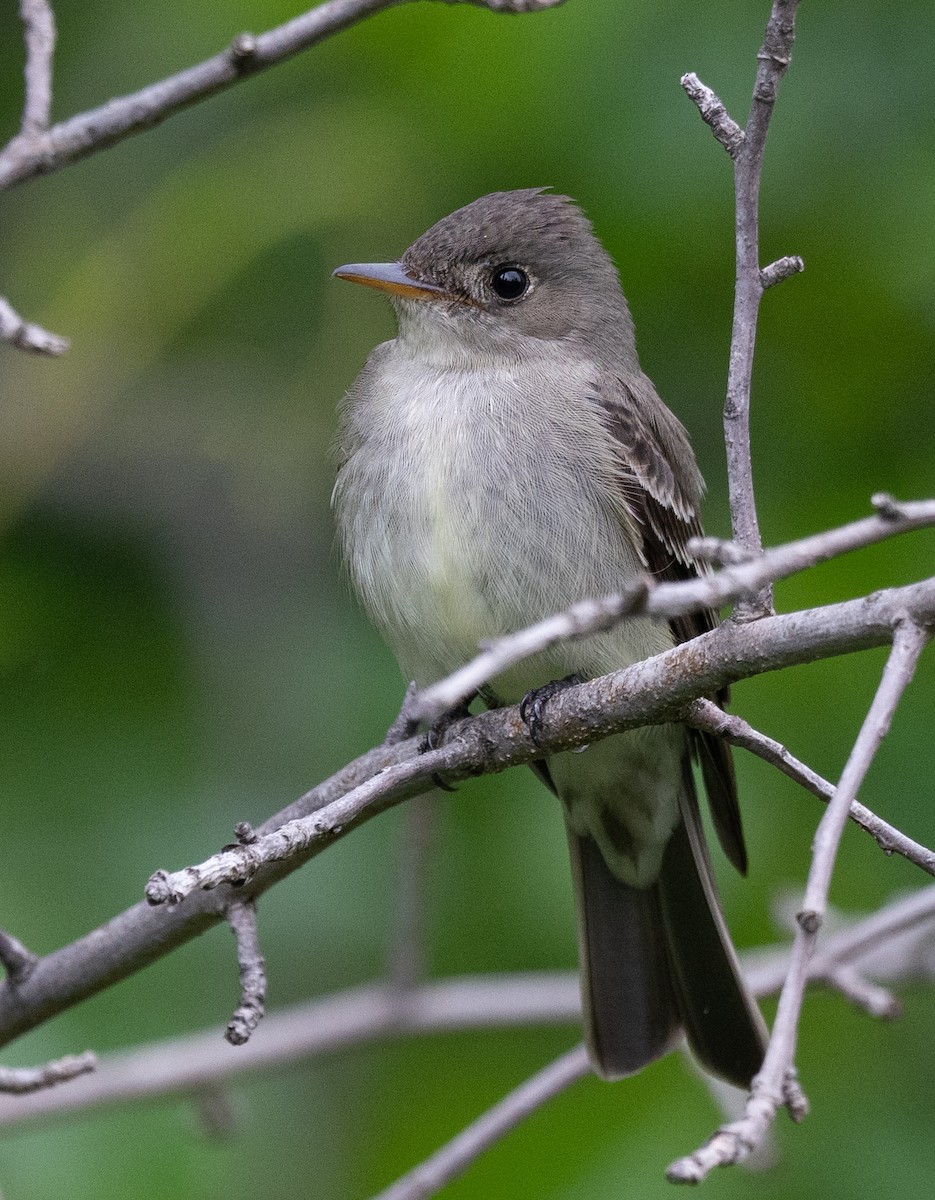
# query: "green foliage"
{"points": [[179, 651]]}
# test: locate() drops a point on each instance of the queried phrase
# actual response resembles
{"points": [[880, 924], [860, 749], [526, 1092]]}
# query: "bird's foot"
{"points": [[532, 705], [436, 734]]}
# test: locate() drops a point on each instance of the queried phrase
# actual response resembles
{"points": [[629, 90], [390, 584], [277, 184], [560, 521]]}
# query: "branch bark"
{"points": [[703, 714], [446, 1164], [776, 1083], [893, 944], [747, 147], [744, 576], [659, 689], [42, 151], [39, 36]]}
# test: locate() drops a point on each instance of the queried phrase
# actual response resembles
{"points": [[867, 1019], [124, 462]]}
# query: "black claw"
{"points": [[532, 705], [435, 738], [436, 733]]}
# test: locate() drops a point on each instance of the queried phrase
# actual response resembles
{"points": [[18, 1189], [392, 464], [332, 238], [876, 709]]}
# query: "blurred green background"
{"points": [[179, 650]]}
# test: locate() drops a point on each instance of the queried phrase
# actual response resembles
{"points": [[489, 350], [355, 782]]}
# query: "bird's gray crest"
{"points": [[530, 227]]}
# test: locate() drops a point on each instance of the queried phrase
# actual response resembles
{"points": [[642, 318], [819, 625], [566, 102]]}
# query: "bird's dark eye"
{"points": [[509, 282]]}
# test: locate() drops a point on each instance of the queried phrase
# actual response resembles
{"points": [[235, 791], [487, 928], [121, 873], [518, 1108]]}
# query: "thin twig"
{"points": [[781, 269], [26, 336], [248, 54], [39, 37], [744, 576], [241, 916], [21, 1081], [747, 148], [704, 714], [775, 1084], [895, 943], [452, 1159]]}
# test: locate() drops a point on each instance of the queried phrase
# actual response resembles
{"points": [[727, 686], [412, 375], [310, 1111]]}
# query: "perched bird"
{"points": [[501, 458]]}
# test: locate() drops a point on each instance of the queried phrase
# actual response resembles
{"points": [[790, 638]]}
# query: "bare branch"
{"points": [[25, 336], [430, 1176], [39, 36], [657, 690], [20, 1081], [179, 1066], [714, 113], [747, 147], [703, 714], [872, 999], [775, 1084], [511, 6], [495, 740], [744, 576], [241, 916], [44, 151], [895, 943]]}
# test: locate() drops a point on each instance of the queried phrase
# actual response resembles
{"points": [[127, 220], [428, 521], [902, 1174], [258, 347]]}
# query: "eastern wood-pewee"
{"points": [[501, 458]]}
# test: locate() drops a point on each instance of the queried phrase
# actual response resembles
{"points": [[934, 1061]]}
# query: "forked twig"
{"points": [[776, 1083]]}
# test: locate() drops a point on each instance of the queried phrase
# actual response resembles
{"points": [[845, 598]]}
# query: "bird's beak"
{"points": [[390, 277]]}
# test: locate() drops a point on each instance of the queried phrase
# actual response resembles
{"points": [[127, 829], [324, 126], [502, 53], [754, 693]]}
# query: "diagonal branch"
{"points": [[41, 152], [775, 1084], [431, 1175], [659, 689], [704, 714], [26, 336], [744, 576]]}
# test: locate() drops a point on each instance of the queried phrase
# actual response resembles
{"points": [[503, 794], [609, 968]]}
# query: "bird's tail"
{"points": [[659, 960]]}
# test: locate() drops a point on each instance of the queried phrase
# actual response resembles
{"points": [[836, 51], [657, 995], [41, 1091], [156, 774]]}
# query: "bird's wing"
{"points": [[662, 488]]}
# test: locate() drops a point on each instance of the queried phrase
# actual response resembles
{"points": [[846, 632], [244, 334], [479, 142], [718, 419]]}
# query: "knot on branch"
{"points": [[809, 920], [243, 52], [887, 507]]}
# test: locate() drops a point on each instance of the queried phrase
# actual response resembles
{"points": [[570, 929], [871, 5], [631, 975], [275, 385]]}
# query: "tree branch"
{"points": [[16, 959], [431, 1175], [747, 148], [39, 37], [714, 113], [241, 916], [775, 1084], [659, 689], [356, 1017], [703, 714], [21, 1081], [26, 336], [43, 151], [407, 957], [745, 575], [894, 943]]}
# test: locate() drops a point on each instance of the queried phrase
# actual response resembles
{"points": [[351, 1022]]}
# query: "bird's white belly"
{"points": [[472, 507]]}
